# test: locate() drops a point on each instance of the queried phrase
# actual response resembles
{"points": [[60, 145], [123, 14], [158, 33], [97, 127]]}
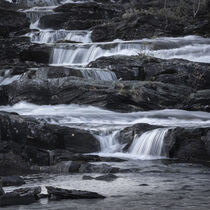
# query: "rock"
{"points": [[11, 49], [188, 144], [32, 139], [37, 53], [136, 27], [12, 181], [107, 177], [59, 193], [11, 21], [14, 164], [118, 96], [22, 196], [87, 177], [1, 190], [74, 16], [200, 100], [97, 168], [145, 68]]}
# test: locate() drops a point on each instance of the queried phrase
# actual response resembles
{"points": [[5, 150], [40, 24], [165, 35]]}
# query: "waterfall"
{"points": [[52, 36], [84, 54], [7, 78], [149, 144], [98, 74], [109, 143]]}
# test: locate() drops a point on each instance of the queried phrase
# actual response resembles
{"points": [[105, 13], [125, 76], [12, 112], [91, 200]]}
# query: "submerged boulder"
{"points": [[59, 193], [22, 196]]}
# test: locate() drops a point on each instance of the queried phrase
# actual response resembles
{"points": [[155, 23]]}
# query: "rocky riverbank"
{"points": [[89, 87]]}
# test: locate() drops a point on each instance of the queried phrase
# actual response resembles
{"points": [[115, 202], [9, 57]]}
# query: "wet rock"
{"points": [[59, 193], [85, 177], [188, 144], [37, 53], [12, 163], [74, 16], [107, 177], [11, 21], [136, 27], [22, 196], [118, 96], [1, 190], [97, 168], [12, 181], [200, 100], [145, 68], [33, 139]]}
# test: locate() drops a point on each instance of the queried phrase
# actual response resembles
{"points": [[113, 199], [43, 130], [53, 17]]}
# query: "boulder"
{"points": [[12, 181], [145, 68], [32, 139], [107, 177], [80, 16], [59, 193], [22, 196], [113, 95], [188, 144], [12, 21]]}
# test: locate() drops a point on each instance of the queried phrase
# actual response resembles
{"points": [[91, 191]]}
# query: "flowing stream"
{"points": [[157, 183]]}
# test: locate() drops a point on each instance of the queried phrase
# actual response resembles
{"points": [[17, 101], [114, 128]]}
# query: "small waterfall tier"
{"points": [[191, 48], [149, 144], [84, 54], [53, 36], [98, 74]]}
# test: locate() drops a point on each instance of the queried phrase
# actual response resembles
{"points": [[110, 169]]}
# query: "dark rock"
{"points": [[13, 164], [33, 139], [85, 177], [143, 185], [12, 181], [1, 190], [11, 21], [107, 177], [37, 53], [22, 196], [200, 100], [188, 144], [59, 193], [136, 27], [145, 68], [79, 16], [120, 96]]}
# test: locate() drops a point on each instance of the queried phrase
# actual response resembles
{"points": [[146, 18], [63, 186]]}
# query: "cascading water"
{"points": [[149, 145], [98, 74], [191, 48], [84, 54], [53, 36]]}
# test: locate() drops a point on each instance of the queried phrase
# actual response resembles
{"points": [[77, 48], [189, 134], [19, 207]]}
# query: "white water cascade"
{"points": [[84, 54], [98, 74], [191, 48], [149, 145], [53, 36]]}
